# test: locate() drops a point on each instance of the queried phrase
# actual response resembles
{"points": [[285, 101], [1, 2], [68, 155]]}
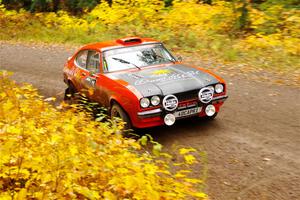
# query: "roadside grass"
{"points": [[215, 47], [186, 27]]}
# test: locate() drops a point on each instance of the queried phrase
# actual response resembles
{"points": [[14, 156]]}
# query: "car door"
{"points": [[80, 71], [91, 78], [87, 67], [101, 93], [84, 79]]}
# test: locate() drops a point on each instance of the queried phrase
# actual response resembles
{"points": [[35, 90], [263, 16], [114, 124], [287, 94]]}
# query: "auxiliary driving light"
{"points": [[210, 110], [169, 119]]}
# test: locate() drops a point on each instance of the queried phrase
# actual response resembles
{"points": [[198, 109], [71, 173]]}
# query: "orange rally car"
{"points": [[140, 81]]}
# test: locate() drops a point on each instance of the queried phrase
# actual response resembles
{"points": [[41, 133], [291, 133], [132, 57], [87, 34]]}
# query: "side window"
{"points": [[93, 61], [105, 68], [81, 59]]}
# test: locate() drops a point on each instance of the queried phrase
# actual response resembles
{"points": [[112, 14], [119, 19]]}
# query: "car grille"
{"points": [[189, 95]]}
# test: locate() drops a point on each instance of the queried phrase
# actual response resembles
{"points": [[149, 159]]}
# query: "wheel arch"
{"points": [[70, 82], [114, 101]]}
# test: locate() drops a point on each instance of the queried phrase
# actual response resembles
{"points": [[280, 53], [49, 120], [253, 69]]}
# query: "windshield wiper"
{"points": [[126, 62]]}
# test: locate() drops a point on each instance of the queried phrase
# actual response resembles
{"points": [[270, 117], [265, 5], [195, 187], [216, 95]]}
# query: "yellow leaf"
{"points": [[190, 159], [109, 196], [193, 180], [200, 195], [22, 194], [179, 175], [73, 150], [183, 151]]}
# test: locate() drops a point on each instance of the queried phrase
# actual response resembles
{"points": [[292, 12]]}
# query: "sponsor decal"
{"points": [[170, 102], [206, 94], [190, 104], [161, 72], [169, 77], [135, 76]]}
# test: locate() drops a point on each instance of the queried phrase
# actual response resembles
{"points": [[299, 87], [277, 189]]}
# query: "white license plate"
{"points": [[187, 112]]}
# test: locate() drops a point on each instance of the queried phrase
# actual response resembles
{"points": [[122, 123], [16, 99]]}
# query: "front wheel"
{"points": [[71, 94], [118, 112]]}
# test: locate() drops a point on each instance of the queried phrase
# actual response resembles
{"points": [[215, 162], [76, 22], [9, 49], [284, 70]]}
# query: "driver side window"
{"points": [[81, 59], [93, 61]]}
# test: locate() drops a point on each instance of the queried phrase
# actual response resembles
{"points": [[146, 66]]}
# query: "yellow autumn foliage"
{"points": [[51, 153], [275, 28], [273, 33]]}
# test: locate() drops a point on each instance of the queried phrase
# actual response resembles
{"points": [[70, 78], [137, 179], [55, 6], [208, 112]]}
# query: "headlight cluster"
{"points": [[219, 88], [145, 102], [155, 100]]}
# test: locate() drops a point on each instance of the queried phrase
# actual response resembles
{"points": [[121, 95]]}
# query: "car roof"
{"points": [[122, 42]]}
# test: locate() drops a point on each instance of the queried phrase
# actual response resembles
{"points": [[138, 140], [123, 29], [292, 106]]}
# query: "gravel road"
{"points": [[253, 146]]}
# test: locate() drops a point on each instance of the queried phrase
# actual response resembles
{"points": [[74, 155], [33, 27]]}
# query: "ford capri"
{"points": [[141, 82]]}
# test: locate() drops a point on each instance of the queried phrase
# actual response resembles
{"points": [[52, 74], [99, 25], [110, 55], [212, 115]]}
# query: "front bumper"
{"points": [[219, 98], [151, 118], [150, 113]]}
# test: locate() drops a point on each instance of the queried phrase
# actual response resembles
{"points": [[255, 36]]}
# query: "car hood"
{"points": [[166, 80]]}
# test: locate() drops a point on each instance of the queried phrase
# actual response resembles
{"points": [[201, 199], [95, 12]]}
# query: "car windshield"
{"points": [[135, 57]]}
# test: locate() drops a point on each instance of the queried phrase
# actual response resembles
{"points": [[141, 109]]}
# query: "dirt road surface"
{"points": [[253, 146]]}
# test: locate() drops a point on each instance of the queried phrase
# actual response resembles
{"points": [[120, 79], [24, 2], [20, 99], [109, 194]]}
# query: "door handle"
{"points": [[83, 73]]}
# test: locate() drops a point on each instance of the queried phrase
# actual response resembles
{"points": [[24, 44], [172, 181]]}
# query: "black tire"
{"points": [[68, 94], [71, 94], [117, 111]]}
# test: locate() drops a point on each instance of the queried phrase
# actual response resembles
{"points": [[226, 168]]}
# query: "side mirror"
{"points": [[179, 58], [92, 73]]}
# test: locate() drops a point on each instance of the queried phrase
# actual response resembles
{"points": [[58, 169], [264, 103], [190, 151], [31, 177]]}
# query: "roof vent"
{"points": [[129, 40]]}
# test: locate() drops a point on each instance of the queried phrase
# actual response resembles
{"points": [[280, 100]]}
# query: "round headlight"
{"points": [[210, 110], [145, 102], [155, 100], [219, 88]]}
